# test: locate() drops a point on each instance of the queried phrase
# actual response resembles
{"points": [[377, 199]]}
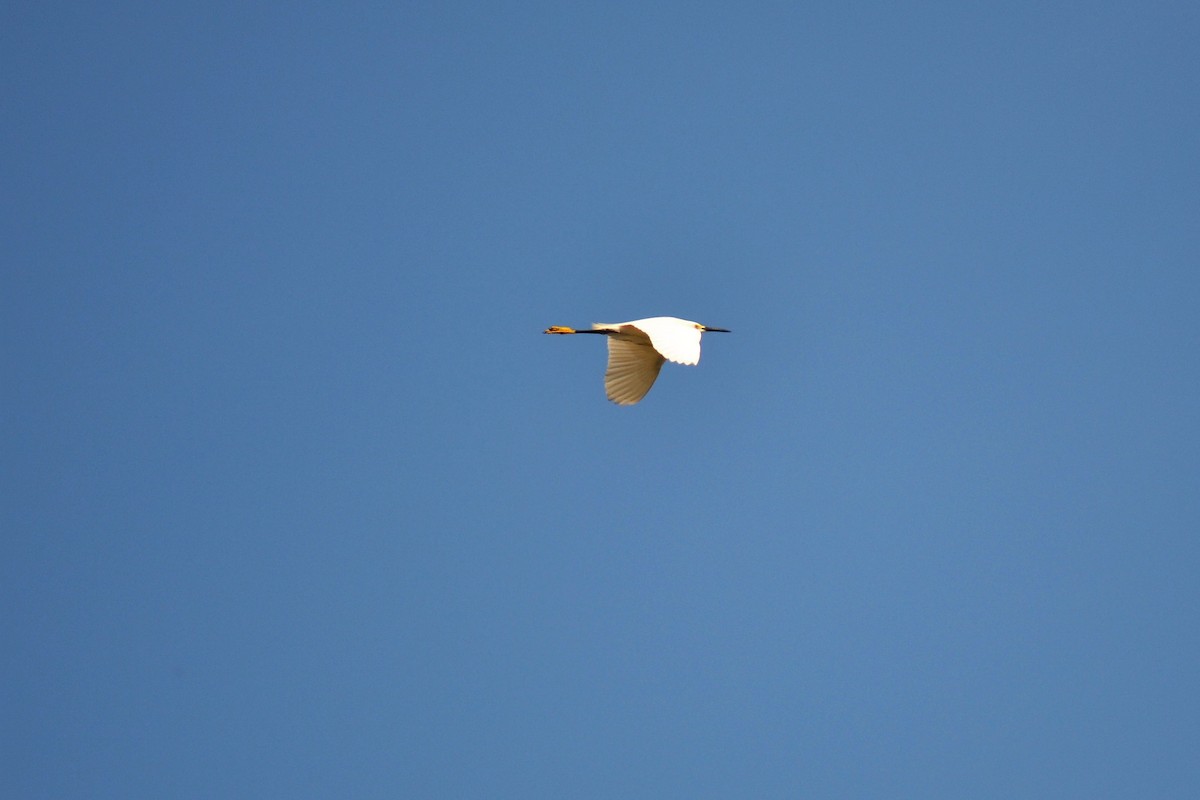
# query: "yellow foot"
{"points": [[558, 329]]}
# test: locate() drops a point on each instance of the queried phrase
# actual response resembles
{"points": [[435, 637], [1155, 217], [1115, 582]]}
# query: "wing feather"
{"points": [[633, 365]]}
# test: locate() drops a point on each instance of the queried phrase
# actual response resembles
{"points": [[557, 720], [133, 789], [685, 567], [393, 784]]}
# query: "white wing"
{"points": [[677, 339], [633, 364]]}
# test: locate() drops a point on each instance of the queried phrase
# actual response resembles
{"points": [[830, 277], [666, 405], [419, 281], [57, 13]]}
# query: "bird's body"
{"points": [[637, 350]]}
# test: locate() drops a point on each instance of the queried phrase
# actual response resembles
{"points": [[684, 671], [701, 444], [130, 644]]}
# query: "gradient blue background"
{"points": [[299, 502]]}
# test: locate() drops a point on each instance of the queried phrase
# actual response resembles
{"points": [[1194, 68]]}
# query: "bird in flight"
{"points": [[637, 350]]}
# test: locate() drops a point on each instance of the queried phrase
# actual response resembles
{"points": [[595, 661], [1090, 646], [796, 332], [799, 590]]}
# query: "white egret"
{"points": [[637, 350]]}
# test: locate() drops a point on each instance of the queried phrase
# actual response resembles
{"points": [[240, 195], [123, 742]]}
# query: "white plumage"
{"points": [[637, 350]]}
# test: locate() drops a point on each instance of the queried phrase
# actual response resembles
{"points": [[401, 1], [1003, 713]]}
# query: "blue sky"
{"points": [[299, 502]]}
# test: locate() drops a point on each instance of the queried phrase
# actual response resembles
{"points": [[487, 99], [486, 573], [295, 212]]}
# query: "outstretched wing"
{"points": [[677, 339], [633, 364]]}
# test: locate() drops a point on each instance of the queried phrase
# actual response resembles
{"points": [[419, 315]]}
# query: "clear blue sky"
{"points": [[299, 502]]}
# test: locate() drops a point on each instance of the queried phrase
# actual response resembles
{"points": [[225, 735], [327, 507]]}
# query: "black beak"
{"points": [[716, 330]]}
